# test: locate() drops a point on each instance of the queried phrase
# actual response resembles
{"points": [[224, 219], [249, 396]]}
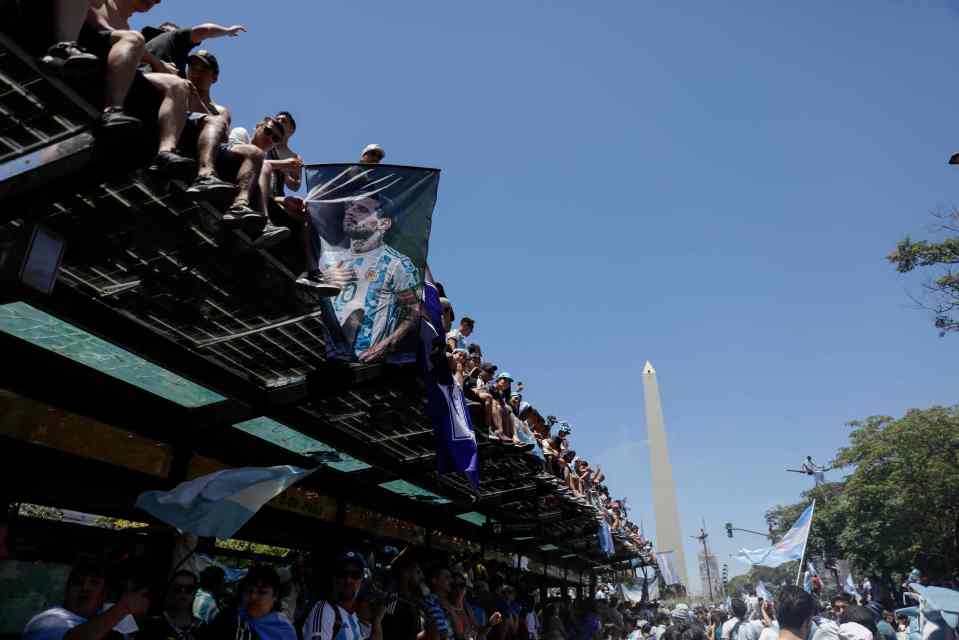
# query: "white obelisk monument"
{"points": [[668, 536]]}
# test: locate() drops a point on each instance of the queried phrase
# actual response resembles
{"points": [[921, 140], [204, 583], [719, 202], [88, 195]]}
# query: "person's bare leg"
{"points": [[126, 51], [68, 16], [263, 181], [172, 116], [213, 131], [249, 170]]}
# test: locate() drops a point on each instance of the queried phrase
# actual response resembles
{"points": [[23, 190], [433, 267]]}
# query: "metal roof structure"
{"points": [[183, 346]]}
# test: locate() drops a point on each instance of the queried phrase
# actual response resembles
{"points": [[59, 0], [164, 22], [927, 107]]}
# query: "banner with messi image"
{"points": [[371, 229]]}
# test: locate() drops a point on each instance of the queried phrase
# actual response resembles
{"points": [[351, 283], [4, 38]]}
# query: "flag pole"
{"points": [[802, 558]]}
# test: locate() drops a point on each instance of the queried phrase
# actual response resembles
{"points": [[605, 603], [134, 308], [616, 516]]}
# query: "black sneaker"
{"points": [[174, 166], [314, 281], [242, 215], [213, 190], [271, 235], [71, 59], [114, 121]]}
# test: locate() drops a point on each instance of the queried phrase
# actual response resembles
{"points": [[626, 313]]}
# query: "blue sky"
{"points": [[707, 186]]}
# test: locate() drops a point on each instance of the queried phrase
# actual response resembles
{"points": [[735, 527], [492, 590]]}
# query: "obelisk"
{"points": [[668, 537]]}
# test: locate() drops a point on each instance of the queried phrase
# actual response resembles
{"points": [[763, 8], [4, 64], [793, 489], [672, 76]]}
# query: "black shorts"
{"points": [[228, 167], [143, 100], [191, 133]]}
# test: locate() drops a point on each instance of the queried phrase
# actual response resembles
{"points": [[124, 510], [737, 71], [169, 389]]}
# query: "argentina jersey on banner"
{"points": [[370, 228]]}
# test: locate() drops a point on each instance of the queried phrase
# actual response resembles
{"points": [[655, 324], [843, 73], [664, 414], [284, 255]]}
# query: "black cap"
{"points": [[207, 58]]}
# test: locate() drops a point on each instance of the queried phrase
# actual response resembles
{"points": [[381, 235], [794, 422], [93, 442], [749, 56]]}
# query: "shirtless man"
{"points": [[107, 29]]}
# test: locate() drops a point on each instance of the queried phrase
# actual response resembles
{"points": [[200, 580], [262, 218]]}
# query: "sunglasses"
{"points": [[182, 588]]}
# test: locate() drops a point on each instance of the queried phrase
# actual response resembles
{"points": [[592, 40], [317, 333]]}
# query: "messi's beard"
{"points": [[361, 242]]}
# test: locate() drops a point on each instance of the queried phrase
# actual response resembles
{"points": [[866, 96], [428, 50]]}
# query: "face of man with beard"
{"points": [[363, 218]]}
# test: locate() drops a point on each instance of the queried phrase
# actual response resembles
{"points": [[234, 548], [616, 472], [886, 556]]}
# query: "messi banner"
{"points": [[370, 235]]}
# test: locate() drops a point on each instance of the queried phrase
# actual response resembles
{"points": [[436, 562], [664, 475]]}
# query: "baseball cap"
{"points": [[351, 557], [373, 148], [207, 58], [875, 608], [504, 375], [488, 366], [565, 428]]}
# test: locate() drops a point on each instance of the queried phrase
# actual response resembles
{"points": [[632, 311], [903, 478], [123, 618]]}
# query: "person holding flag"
{"points": [[812, 583]]}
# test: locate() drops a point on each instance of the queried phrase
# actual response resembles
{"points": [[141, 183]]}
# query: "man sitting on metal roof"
{"points": [[107, 33]]}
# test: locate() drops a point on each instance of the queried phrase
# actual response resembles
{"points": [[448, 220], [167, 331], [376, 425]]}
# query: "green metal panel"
{"points": [[473, 517], [27, 323], [291, 440], [410, 490]]}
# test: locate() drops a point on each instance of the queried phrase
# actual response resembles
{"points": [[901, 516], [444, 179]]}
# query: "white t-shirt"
{"points": [[748, 630], [51, 624], [239, 135], [771, 632], [458, 337], [322, 619], [378, 277]]}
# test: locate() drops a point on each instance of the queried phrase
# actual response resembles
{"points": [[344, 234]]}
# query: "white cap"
{"points": [[372, 147]]}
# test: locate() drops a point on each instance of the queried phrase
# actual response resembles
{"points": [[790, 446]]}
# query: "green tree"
{"points": [[943, 290], [901, 502]]}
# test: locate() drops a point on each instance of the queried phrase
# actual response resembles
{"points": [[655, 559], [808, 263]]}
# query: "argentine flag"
{"points": [[851, 586], [763, 592], [218, 504], [791, 547]]}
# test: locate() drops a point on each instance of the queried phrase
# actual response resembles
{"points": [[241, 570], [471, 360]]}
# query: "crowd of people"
{"points": [[155, 84], [384, 593], [512, 420], [159, 80], [402, 595], [800, 614]]}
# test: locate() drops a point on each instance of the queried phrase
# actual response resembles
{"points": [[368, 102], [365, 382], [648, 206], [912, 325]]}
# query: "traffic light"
{"points": [[729, 529], [725, 572]]}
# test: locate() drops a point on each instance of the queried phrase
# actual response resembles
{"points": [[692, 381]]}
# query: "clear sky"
{"points": [[711, 186]]}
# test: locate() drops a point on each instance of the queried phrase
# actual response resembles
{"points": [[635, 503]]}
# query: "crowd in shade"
{"points": [[514, 421], [378, 593], [381, 592]]}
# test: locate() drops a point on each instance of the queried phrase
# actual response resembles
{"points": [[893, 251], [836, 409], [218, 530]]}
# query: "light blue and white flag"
{"points": [[851, 586], [218, 504], [667, 567], [791, 547], [606, 540], [763, 592]]}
